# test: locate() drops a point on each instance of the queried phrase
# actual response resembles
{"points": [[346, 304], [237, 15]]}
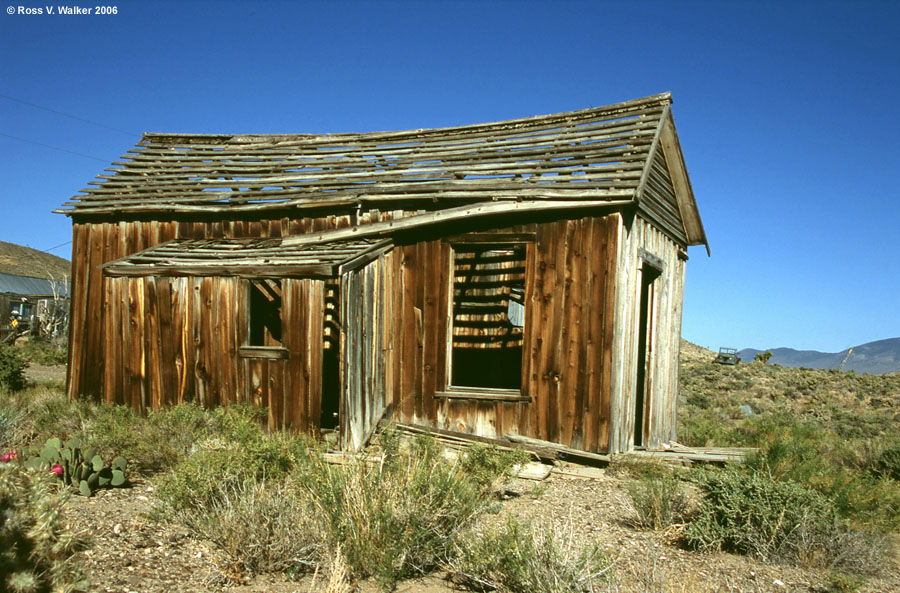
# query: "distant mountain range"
{"points": [[877, 358]]}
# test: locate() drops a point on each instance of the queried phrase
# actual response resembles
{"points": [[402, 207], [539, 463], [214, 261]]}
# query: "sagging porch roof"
{"points": [[592, 156], [252, 258]]}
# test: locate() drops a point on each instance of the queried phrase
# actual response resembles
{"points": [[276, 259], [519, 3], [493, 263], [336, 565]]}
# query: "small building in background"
{"points": [[34, 292], [522, 277]]}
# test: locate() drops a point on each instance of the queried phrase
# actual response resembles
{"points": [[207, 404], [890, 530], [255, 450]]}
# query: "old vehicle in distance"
{"points": [[728, 356]]}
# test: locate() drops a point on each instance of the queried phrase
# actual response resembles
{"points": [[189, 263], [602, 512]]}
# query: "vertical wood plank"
{"points": [[152, 343], [315, 345], [407, 329]]}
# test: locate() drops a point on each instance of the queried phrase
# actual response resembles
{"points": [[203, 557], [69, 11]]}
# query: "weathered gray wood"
{"points": [[448, 215], [549, 450], [268, 352], [507, 395]]}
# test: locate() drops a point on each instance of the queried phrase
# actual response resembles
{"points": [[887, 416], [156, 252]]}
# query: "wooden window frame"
{"points": [[248, 350], [466, 392]]}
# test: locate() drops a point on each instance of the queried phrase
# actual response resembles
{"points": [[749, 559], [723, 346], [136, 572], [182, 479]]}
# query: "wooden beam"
{"points": [[376, 229], [684, 193]]}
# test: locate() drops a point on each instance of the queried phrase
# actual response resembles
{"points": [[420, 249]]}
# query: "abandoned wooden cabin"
{"points": [[521, 277]]}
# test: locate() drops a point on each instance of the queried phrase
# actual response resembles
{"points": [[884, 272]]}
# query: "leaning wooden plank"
{"points": [[442, 433], [554, 450]]}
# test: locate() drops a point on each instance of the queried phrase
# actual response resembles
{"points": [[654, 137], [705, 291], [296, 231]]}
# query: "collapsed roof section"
{"points": [[623, 153], [257, 258]]}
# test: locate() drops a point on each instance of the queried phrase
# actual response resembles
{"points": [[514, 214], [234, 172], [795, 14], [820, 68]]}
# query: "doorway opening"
{"points": [[331, 363], [646, 318]]}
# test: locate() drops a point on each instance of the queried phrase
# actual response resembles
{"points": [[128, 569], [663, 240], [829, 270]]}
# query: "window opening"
{"points": [[488, 316], [265, 313]]}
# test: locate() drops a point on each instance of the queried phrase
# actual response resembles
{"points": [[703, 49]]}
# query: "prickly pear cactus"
{"points": [[83, 469], [36, 546]]}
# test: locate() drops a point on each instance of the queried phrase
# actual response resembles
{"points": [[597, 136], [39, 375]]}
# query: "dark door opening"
{"points": [[331, 361], [649, 274]]}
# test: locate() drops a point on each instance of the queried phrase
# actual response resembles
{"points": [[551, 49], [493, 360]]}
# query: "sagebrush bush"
{"points": [[389, 517], [749, 512], [153, 443], [525, 558], [819, 459], [44, 411], [657, 501], [12, 368], [198, 480], [36, 545], [260, 526], [397, 517]]}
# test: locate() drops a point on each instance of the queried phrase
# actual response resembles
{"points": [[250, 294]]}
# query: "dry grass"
{"points": [[528, 557]]}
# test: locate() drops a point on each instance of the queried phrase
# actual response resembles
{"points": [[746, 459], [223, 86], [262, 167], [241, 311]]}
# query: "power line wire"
{"points": [[55, 247], [87, 156], [69, 115]]}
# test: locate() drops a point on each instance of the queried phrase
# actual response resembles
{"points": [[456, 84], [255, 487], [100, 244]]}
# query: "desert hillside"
{"points": [[25, 261]]}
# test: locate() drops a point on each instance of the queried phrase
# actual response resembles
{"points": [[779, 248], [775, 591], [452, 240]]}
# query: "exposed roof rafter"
{"points": [[597, 155]]}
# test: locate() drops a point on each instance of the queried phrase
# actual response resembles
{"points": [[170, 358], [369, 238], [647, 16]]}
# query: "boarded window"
{"points": [[488, 316], [265, 313]]}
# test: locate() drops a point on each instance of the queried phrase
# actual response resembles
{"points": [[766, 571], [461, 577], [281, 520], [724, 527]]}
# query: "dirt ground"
{"points": [[39, 373], [131, 553]]}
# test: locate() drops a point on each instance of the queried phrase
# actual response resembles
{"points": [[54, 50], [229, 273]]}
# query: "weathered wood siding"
{"points": [[637, 240], [170, 340], [95, 243], [173, 340], [659, 203], [568, 338], [303, 335], [364, 330]]}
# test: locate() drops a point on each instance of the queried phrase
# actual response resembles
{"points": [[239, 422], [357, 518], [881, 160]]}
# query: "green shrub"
{"points": [[525, 558], [763, 357], [699, 399], [240, 423], [657, 501], [485, 464], [36, 545], [887, 464], [711, 427], [818, 459], [749, 512], [113, 428], [44, 351], [153, 443], [841, 582], [12, 368], [198, 480]]}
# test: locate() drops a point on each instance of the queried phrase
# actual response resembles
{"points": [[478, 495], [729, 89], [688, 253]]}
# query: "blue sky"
{"points": [[787, 114]]}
